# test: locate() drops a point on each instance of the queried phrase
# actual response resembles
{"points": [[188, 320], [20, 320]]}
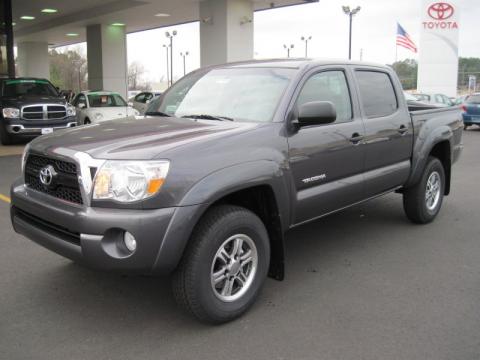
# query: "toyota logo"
{"points": [[47, 174], [440, 11]]}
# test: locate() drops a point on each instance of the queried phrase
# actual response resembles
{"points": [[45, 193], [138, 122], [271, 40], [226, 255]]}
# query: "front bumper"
{"points": [[22, 127], [94, 236]]}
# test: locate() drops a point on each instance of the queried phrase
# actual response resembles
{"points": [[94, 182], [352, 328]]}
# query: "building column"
{"points": [[107, 58], [33, 59], [226, 31]]}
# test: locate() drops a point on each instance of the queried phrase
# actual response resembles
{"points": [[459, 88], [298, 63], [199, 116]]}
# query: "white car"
{"points": [[97, 106], [140, 102]]}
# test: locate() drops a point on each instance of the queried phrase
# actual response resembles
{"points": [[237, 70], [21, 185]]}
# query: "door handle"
{"points": [[402, 129], [356, 138]]}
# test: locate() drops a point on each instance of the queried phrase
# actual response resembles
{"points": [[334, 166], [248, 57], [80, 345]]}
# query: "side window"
{"points": [[328, 86], [377, 93], [140, 98], [439, 99], [80, 100]]}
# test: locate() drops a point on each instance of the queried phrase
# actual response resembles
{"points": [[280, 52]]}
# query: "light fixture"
{"points": [[27, 17], [162, 15], [13, 23], [49, 11], [71, 34], [118, 24]]}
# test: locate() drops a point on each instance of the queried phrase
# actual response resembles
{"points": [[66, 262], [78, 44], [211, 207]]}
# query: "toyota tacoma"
{"points": [[224, 163]]}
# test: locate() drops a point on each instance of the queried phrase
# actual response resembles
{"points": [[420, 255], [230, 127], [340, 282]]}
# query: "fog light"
{"points": [[129, 241]]}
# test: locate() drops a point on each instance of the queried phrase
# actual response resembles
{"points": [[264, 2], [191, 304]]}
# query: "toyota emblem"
{"points": [[47, 174], [440, 11]]}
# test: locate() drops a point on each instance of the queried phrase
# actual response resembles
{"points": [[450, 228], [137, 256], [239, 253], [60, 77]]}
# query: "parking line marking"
{"points": [[5, 198]]}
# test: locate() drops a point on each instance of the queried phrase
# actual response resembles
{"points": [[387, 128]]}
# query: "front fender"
{"points": [[242, 176], [424, 144]]}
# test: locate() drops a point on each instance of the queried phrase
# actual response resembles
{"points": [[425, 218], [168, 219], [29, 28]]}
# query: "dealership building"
{"points": [[226, 32]]}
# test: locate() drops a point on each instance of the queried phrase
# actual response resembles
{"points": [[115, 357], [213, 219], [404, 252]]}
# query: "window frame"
{"points": [[293, 107], [359, 91]]}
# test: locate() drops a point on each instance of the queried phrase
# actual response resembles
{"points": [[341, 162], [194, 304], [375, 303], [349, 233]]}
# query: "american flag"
{"points": [[403, 39]]}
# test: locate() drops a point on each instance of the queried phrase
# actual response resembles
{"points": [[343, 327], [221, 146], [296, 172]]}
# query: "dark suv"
{"points": [[30, 107]]}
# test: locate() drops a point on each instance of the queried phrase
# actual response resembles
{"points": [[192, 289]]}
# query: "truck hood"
{"points": [[140, 138], [19, 101]]}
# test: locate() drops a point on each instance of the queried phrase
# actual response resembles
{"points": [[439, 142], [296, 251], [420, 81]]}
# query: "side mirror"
{"points": [[82, 105], [316, 113]]}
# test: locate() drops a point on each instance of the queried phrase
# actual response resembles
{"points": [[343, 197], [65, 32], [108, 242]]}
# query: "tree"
{"points": [[136, 79], [68, 69], [407, 73]]}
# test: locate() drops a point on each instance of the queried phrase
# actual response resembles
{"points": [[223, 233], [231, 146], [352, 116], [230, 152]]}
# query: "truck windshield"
{"points": [[474, 99], [32, 87], [239, 94], [106, 100]]}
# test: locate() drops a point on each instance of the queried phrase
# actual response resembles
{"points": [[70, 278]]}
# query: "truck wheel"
{"points": [[86, 121], [4, 137], [224, 265], [423, 201]]}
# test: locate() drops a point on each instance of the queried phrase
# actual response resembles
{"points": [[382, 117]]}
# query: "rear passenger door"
{"points": [[326, 161], [388, 138]]}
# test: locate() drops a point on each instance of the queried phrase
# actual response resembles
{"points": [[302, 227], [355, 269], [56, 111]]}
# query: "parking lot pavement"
{"points": [[360, 284]]}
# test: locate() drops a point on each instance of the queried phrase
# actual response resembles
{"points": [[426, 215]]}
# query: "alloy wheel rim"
{"points": [[234, 268], [432, 193]]}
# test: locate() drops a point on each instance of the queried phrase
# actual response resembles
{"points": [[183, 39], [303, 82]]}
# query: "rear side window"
{"points": [[377, 93], [328, 86]]}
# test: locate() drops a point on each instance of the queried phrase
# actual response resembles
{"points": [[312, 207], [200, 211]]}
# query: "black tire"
{"points": [[192, 286], [414, 198], [5, 138], [86, 121]]}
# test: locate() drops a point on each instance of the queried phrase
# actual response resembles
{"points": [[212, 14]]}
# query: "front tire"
{"points": [[224, 266], [423, 201]]}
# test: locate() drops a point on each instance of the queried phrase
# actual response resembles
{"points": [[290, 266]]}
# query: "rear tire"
{"points": [[423, 201], [224, 266], [5, 138], [86, 121]]}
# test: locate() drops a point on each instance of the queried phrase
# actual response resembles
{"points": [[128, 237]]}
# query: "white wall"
{"points": [[33, 60]]}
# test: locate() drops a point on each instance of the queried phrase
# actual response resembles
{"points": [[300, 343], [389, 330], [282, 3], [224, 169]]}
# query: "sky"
{"points": [[374, 31]]}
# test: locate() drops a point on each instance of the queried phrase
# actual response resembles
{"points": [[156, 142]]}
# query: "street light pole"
{"points": [[170, 36], [288, 48], [184, 67], [306, 39], [168, 77], [350, 14]]}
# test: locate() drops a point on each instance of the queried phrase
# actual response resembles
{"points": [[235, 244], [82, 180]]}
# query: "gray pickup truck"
{"points": [[225, 162]]}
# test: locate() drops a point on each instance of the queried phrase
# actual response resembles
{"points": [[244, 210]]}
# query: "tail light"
{"points": [[464, 108]]}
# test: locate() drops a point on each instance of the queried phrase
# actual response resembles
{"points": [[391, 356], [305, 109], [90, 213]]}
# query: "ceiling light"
{"points": [[71, 34], [49, 11], [162, 15], [118, 24], [27, 17], [13, 23]]}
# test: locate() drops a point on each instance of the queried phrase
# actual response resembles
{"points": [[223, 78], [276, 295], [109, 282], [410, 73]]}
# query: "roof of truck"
{"points": [[297, 63]]}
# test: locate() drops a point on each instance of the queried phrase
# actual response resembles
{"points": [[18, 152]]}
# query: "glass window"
{"points": [[26, 87], [243, 94], [105, 100], [473, 99], [377, 93], [80, 99], [140, 98], [328, 86]]}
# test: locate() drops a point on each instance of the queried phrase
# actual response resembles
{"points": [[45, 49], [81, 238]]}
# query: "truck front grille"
{"points": [[65, 184], [44, 112]]}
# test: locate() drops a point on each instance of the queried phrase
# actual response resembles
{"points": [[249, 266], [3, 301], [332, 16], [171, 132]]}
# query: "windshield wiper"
{"points": [[208, 117], [156, 113]]}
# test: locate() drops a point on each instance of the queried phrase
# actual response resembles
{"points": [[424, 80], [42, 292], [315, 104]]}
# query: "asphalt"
{"points": [[361, 284]]}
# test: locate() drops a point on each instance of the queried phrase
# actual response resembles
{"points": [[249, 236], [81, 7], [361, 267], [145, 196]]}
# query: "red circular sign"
{"points": [[440, 11]]}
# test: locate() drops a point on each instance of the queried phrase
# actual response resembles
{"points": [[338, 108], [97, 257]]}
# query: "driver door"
{"points": [[327, 161]]}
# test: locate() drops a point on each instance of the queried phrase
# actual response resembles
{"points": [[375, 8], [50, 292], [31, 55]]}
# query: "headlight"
{"points": [[128, 181], [71, 110], [98, 116], [24, 156], [10, 113]]}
